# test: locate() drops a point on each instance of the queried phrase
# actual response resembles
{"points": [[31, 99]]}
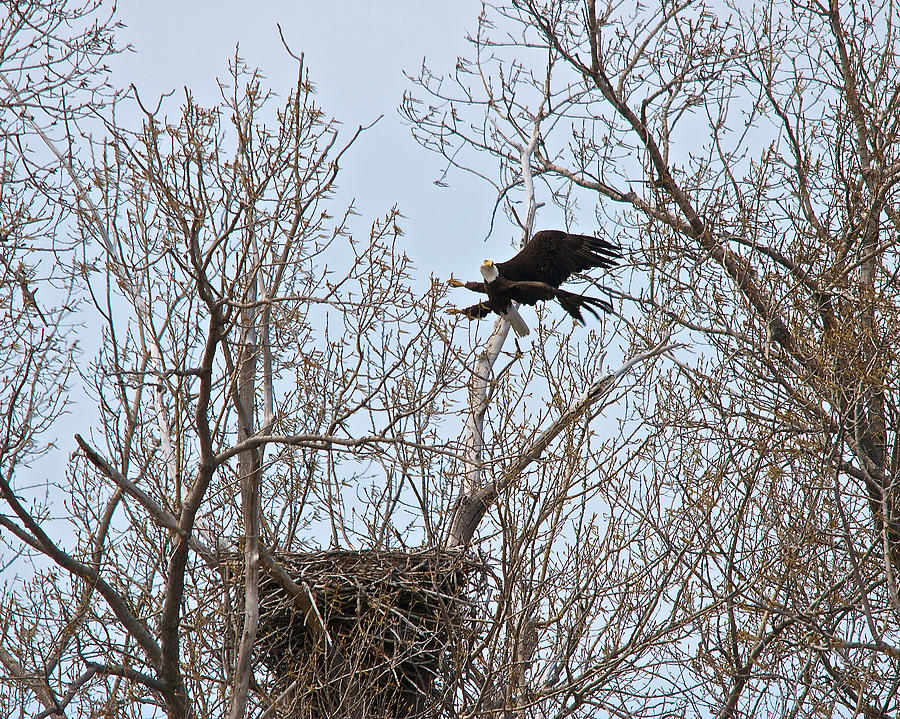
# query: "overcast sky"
{"points": [[356, 52]]}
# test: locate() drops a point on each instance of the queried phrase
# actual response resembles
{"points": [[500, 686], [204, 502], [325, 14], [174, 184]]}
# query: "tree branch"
{"points": [[471, 508], [159, 514]]}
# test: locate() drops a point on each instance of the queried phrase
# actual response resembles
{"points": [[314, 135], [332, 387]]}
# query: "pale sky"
{"points": [[356, 52]]}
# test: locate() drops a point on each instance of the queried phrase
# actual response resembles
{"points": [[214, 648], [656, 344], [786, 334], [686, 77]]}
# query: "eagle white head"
{"points": [[489, 271]]}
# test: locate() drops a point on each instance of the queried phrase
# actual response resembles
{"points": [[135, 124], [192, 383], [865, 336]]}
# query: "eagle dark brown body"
{"points": [[535, 274]]}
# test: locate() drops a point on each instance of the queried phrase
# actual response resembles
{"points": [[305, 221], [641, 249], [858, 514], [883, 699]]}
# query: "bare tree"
{"points": [[258, 380], [749, 155], [234, 311]]}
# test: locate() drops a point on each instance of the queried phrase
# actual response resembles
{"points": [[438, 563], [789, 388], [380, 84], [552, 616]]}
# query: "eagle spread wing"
{"points": [[552, 256], [530, 293], [527, 292], [475, 312]]}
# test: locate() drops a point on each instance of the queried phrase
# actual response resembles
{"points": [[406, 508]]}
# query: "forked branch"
{"points": [[472, 507]]}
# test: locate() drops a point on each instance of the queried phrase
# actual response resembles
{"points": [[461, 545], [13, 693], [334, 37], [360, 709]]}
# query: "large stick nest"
{"points": [[370, 633]]}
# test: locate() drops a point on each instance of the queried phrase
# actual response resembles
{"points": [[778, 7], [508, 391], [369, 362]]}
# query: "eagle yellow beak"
{"points": [[487, 263]]}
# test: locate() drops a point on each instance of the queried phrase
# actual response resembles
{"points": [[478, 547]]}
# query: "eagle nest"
{"points": [[366, 633]]}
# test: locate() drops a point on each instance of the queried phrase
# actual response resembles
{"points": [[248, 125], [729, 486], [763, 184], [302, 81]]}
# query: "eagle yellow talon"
{"points": [[453, 282], [453, 311]]}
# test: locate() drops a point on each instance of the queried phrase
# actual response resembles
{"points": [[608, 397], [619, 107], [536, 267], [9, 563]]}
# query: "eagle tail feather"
{"points": [[516, 322]]}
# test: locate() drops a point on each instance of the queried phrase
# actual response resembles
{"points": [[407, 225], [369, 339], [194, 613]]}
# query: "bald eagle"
{"points": [[536, 273]]}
